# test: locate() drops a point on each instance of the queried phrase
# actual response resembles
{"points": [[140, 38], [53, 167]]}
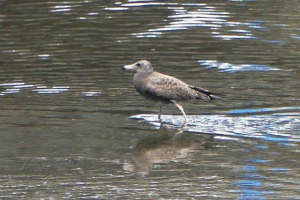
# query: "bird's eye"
{"points": [[138, 64]]}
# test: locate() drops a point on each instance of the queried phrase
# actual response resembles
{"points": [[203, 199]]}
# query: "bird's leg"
{"points": [[159, 114], [181, 109]]}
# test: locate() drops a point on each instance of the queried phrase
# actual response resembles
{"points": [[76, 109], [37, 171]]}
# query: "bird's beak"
{"points": [[130, 67]]}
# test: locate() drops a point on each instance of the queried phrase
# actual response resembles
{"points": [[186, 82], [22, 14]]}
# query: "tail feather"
{"points": [[210, 95]]}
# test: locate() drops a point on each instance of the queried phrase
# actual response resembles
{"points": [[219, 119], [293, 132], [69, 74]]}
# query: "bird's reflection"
{"points": [[163, 148]]}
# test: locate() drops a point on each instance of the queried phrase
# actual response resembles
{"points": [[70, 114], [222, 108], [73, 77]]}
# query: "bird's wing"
{"points": [[168, 88], [205, 94]]}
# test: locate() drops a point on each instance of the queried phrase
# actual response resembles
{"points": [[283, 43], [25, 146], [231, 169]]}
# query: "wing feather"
{"points": [[166, 88]]}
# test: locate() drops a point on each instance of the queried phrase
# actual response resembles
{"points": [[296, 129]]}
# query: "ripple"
{"points": [[17, 87], [262, 110], [295, 36], [279, 169], [231, 37], [43, 56], [242, 0], [233, 68], [205, 17], [148, 4], [248, 183], [61, 9], [194, 15], [257, 160], [116, 9], [274, 41], [10, 91], [276, 127], [53, 90], [134, 1], [91, 93]]}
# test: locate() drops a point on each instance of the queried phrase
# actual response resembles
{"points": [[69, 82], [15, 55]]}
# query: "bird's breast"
{"points": [[139, 83]]}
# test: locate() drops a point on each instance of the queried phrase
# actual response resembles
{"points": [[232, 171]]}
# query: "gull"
{"points": [[165, 89]]}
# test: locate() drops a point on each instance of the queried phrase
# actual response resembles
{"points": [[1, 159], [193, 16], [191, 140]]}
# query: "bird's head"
{"points": [[140, 66]]}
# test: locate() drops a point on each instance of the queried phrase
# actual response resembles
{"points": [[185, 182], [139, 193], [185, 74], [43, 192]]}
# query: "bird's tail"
{"points": [[207, 94]]}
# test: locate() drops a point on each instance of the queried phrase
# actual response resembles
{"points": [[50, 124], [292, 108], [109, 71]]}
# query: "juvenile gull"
{"points": [[165, 89]]}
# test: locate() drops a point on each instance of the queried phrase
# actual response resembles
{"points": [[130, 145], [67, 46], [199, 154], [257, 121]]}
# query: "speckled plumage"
{"points": [[163, 88]]}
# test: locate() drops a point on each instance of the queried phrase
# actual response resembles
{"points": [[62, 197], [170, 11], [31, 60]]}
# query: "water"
{"points": [[73, 126]]}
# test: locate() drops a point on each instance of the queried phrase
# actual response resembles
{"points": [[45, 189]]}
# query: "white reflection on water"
{"points": [[148, 4], [295, 36], [185, 16], [61, 9], [65, 6], [202, 15], [17, 87], [233, 68], [283, 127], [205, 16], [91, 93], [43, 56], [231, 37], [53, 90], [116, 9]]}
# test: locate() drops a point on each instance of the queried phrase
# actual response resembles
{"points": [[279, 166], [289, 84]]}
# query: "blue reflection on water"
{"points": [[279, 169], [257, 26], [274, 41], [248, 189], [261, 147], [285, 144], [257, 160], [250, 186], [275, 139], [253, 176], [249, 168], [248, 183], [249, 110], [252, 194], [260, 110], [295, 36]]}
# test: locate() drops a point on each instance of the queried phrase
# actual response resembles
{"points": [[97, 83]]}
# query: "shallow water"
{"points": [[73, 126]]}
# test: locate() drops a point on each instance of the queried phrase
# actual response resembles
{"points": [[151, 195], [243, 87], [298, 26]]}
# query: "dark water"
{"points": [[73, 126]]}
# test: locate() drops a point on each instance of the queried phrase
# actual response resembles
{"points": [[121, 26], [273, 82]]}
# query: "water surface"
{"points": [[73, 126]]}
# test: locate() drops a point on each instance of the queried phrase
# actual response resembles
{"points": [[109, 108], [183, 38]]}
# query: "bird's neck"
{"points": [[142, 74]]}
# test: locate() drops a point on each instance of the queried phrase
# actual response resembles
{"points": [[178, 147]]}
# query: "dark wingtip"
{"points": [[214, 97], [211, 95]]}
